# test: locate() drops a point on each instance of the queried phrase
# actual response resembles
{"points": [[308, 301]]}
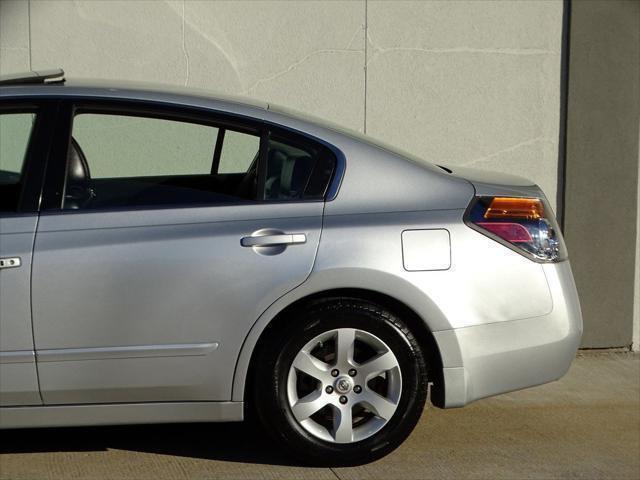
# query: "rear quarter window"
{"points": [[297, 169]]}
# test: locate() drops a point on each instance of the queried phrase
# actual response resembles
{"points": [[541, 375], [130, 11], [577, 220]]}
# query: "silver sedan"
{"points": [[171, 256]]}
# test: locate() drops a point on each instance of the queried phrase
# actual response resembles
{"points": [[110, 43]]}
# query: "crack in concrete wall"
{"points": [[184, 44], [252, 88], [510, 149], [378, 50]]}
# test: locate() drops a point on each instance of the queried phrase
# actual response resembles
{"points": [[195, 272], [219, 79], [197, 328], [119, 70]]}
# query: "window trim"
{"points": [[217, 151], [262, 165], [52, 199]]}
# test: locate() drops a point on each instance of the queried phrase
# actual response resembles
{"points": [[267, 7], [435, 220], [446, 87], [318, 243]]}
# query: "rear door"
{"points": [[23, 144], [165, 247]]}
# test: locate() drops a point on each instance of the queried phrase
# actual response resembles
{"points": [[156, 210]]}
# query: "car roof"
{"points": [[127, 90]]}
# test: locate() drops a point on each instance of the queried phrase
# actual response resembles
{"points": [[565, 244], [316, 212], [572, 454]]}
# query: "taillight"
{"points": [[527, 225]]}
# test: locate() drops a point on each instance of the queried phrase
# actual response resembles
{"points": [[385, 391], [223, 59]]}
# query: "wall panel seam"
{"points": [[366, 42], [29, 33]]}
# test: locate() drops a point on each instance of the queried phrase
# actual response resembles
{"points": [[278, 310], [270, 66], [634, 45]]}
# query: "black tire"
{"points": [[275, 357]]}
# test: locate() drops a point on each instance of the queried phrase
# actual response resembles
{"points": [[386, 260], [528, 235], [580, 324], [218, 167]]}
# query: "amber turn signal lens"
{"points": [[512, 207]]}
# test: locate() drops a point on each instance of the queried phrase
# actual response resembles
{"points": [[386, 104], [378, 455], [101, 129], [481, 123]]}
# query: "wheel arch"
{"points": [[274, 320]]}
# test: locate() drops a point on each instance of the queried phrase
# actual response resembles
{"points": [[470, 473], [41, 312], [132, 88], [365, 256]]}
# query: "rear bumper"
{"points": [[485, 360]]}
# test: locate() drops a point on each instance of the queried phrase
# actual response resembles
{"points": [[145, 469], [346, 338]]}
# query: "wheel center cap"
{"points": [[343, 385]]}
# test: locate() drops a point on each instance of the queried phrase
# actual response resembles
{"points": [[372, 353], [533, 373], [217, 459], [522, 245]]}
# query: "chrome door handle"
{"points": [[12, 262], [272, 240]]}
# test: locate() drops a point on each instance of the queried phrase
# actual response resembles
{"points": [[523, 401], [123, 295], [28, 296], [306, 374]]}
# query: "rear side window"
{"points": [[134, 161], [15, 131], [118, 160]]}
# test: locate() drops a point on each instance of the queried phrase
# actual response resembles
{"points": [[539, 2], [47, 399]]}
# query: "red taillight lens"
{"points": [[511, 232], [521, 223]]}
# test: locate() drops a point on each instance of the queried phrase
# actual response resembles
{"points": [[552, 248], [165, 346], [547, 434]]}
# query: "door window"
{"points": [[119, 146], [133, 161], [129, 160], [15, 131]]}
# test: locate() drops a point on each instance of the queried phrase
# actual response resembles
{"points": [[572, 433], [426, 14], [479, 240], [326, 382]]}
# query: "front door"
{"points": [[18, 375], [168, 246]]}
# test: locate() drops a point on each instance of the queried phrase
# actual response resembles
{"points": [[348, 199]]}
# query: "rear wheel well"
{"points": [[415, 323]]}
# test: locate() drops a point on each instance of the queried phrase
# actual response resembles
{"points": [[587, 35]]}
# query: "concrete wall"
{"points": [[461, 83], [602, 165]]}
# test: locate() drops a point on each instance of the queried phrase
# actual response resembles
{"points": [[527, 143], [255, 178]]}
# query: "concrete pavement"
{"points": [[587, 425]]}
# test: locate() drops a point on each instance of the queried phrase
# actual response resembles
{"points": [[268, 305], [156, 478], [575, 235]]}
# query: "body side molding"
{"points": [[137, 351]]}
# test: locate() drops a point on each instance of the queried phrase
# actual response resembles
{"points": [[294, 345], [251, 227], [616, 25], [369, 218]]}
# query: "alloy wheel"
{"points": [[344, 385]]}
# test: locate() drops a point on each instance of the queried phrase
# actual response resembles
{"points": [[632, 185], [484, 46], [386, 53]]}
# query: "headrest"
{"points": [[77, 166]]}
